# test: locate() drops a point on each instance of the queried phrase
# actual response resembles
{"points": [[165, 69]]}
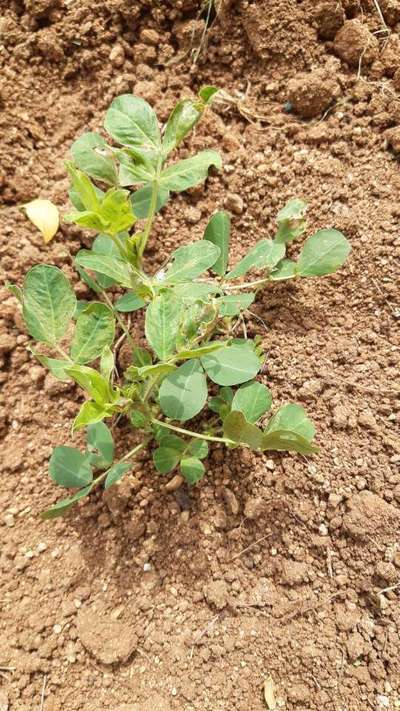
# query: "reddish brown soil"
{"points": [[149, 601]]}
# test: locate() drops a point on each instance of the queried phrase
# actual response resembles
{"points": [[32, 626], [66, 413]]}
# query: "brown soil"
{"points": [[153, 601]]}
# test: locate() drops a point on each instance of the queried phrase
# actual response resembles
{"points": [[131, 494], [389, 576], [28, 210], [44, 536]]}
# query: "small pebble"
{"points": [[57, 629], [235, 203], [117, 55], [174, 483]]}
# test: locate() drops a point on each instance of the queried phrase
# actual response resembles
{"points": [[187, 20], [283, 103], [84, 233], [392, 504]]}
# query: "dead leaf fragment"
{"points": [[45, 216], [269, 693]]}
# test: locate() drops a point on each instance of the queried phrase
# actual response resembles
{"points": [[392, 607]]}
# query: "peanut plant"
{"points": [[193, 309]]}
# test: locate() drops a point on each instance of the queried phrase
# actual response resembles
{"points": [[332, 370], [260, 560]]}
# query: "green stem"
{"points": [[152, 212], [131, 453], [248, 284], [190, 433], [118, 317]]}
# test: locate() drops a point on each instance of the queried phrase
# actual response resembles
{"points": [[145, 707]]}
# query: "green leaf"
{"points": [[95, 329], [286, 269], [49, 303], [283, 441], [218, 231], [81, 305], [107, 362], [75, 199], [165, 438], [190, 261], [158, 369], [250, 346], [116, 211], [264, 255], [89, 219], [116, 473], [323, 253], [62, 506], [233, 304], [162, 323], [138, 418], [134, 167], [290, 430], [84, 189], [166, 458], [92, 155], [89, 413], [198, 448], [238, 429], [196, 317], [129, 302], [183, 393], [132, 122], [103, 244], [141, 200], [55, 366], [292, 418], [189, 172], [100, 441], [110, 266], [221, 404], [88, 280], [141, 357], [192, 469], [207, 93], [231, 366], [182, 119], [253, 400], [15, 290], [201, 350], [69, 467], [291, 222], [191, 292], [90, 380]]}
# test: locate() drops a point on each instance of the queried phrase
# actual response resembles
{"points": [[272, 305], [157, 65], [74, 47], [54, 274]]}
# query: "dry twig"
{"points": [[42, 695], [249, 547]]}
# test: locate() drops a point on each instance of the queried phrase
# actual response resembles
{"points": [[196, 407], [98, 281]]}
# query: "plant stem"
{"points": [[152, 212], [258, 282], [64, 354], [190, 433], [131, 453], [134, 451], [119, 319]]}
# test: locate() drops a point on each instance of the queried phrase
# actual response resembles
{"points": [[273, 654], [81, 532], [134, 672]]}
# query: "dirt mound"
{"points": [[271, 566]]}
